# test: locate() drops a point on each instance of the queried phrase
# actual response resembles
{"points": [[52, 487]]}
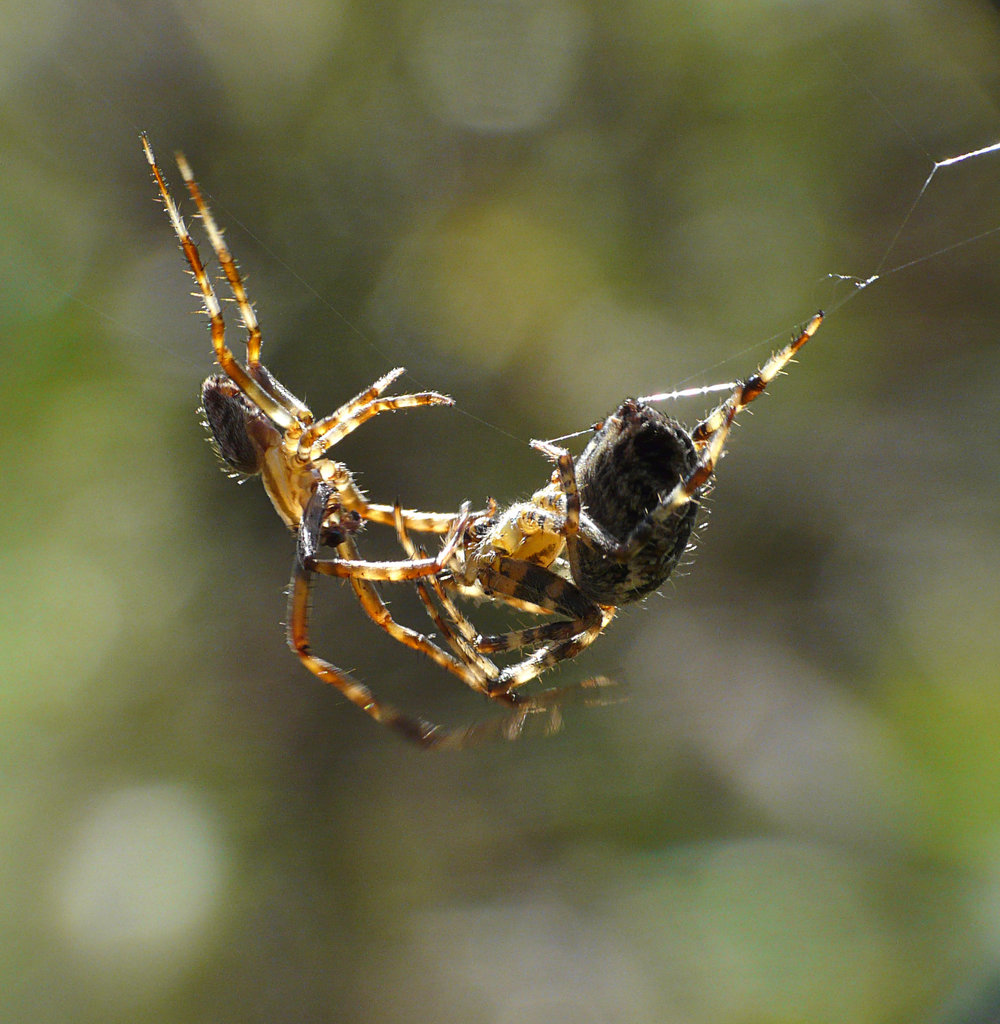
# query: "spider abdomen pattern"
{"points": [[636, 458]]}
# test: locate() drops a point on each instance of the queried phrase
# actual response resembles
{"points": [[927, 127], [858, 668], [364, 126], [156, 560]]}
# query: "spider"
{"points": [[605, 531], [260, 428]]}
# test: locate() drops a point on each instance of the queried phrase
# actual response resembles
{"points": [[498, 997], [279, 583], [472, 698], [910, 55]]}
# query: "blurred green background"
{"points": [[538, 208]]}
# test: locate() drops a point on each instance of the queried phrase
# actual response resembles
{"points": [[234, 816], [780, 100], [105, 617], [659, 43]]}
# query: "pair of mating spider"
{"points": [[606, 530]]}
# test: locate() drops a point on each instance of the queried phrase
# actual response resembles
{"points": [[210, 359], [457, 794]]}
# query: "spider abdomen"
{"points": [[227, 415], [631, 464]]}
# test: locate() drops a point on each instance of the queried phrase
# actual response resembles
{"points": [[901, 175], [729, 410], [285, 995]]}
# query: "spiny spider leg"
{"points": [[256, 383], [363, 573], [422, 522], [464, 639], [508, 727], [431, 737], [226, 261], [458, 632], [325, 433], [514, 578], [709, 438], [753, 387], [329, 431], [348, 409], [276, 411], [563, 639], [399, 571]]}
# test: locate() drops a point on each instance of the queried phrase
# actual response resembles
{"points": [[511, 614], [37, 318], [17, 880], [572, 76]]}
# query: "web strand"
{"points": [[861, 283]]}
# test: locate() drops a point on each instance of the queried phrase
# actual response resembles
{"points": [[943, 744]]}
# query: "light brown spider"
{"points": [[260, 428], [604, 532]]}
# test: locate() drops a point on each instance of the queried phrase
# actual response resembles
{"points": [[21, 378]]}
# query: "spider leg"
{"points": [[753, 387], [566, 475], [259, 372], [559, 695], [550, 655], [543, 709], [509, 577], [379, 572], [425, 734], [327, 432], [590, 692], [462, 636], [349, 409], [458, 632], [226, 261], [353, 498], [422, 522], [710, 438], [357, 693], [394, 572], [371, 602], [321, 436], [257, 393], [564, 639], [499, 690], [518, 581], [468, 643]]}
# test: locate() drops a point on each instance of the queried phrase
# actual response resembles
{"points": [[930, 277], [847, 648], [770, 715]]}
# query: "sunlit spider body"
{"points": [[260, 428], [605, 531]]}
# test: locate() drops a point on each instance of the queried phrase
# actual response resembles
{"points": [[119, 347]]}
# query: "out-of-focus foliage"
{"points": [[538, 207]]}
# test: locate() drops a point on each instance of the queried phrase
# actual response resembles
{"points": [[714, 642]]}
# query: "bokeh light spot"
{"points": [[498, 67], [140, 878]]}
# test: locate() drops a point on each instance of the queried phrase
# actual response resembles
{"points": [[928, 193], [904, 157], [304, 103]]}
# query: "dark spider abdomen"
{"points": [[227, 413], [634, 460]]}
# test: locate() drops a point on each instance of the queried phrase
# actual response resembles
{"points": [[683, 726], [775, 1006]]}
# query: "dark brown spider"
{"points": [[604, 532]]}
